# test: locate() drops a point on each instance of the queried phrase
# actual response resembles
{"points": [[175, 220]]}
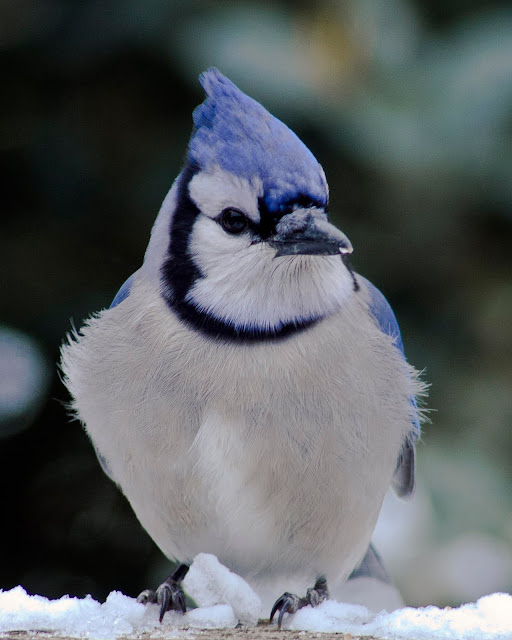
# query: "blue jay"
{"points": [[247, 390]]}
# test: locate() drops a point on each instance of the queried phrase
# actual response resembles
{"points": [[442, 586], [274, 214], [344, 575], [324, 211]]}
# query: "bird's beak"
{"points": [[303, 233]]}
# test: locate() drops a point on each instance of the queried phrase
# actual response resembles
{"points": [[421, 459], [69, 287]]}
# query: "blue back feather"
{"points": [[386, 319], [123, 292]]}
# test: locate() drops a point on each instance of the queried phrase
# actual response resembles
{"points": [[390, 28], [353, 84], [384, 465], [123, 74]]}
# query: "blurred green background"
{"points": [[408, 106]]}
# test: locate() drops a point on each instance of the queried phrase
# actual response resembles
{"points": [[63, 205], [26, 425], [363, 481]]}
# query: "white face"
{"points": [[243, 282]]}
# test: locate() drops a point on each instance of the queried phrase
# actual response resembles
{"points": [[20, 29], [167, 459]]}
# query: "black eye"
{"points": [[233, 221]]}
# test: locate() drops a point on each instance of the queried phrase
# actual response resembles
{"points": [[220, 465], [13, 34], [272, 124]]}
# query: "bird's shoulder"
{"points": [[380, 309], [382, 313], [123, 292]]}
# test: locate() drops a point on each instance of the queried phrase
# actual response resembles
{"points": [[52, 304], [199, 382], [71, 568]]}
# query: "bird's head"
{"points": [[243, 242]]}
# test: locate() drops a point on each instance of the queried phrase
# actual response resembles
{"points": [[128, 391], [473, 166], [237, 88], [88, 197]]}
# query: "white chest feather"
{"points": [[273, 456]]}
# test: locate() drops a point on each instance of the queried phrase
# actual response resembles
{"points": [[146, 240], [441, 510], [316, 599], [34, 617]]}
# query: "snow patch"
{"points": [[71, 616], [225, 598], [490, 618], [118, 616], [209, 582]]}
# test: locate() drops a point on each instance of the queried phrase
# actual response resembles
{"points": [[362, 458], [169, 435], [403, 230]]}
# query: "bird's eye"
{"points": [[233, 221]]}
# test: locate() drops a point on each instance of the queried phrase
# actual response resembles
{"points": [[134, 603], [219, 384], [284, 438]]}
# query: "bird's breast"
{"points": [[287, 450], [275, 455]]}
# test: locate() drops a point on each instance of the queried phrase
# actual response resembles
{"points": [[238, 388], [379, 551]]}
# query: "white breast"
{"points": [[275, 457]]}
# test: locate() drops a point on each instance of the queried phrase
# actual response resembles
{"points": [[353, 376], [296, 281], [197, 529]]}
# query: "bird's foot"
{"points": [[290, 603], [169, 595]]}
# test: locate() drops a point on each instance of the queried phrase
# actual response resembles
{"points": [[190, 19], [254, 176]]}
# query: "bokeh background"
{"points": [[408, 106]]}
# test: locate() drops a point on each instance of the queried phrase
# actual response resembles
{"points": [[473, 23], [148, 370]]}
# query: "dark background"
{"points": [[408, 106]]}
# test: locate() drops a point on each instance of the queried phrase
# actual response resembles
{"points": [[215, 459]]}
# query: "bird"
{"points": [[247, 390]]}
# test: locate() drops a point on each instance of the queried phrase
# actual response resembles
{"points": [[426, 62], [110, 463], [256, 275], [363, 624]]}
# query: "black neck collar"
{"points": [[179, 273]]}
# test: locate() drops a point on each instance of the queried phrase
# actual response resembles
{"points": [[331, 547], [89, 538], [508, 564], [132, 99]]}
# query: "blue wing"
{"points": [[123, 292], [404, 478], [383, 313]]}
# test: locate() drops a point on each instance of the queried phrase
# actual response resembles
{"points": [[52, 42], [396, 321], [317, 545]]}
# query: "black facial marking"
{"points": [[345, 258], [268, 220], [302, 201], [180, 272]]}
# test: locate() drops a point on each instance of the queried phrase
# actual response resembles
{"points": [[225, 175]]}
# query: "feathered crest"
{"points": [[242, 137]]}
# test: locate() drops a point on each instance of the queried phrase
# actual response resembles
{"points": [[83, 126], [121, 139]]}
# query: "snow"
{"points": [[73, 616], [209, 583], [490, 618], [224, 599], [85, 617]]}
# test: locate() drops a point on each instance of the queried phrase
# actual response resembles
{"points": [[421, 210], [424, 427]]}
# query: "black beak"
{"points": [[304, 233]]}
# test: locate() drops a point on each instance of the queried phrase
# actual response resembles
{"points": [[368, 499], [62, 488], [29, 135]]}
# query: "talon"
{"points": [[287, 603], [163, 594], [287, 608], [169, 594], [290, 603], [276, 606], [181, 602]]}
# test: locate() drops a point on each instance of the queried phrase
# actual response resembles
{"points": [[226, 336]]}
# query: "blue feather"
{"points": [[123, 292], [386, 319], [238, 134]]}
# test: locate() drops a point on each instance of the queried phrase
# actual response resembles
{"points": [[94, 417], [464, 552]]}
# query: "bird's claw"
{"points": [[287, 603], [169, 595], [290, 603]]}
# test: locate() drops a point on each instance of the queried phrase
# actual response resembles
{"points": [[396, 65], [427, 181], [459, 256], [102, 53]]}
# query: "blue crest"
{"points": [[236, 133]]}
